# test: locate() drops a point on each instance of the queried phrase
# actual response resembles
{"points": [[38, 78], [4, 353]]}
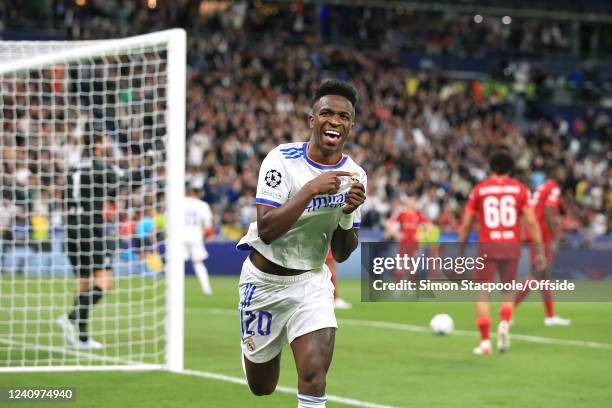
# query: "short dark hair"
{"points": [[501, 162], [336, 87], [191, 189]]}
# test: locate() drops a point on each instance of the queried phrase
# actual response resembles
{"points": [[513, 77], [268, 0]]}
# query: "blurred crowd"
{"points": [[418, 133], [400, 27], [421, 133], [48, 113]]}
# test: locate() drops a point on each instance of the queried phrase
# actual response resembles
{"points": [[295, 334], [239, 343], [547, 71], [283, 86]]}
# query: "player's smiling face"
{"points": [[331, 122]]}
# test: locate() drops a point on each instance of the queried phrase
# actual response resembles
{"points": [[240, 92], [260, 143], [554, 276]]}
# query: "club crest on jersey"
{"points": [[273, 178], [250, 343]]}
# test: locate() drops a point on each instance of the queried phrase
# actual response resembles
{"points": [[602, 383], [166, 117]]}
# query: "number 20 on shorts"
{"points": [[248, 317], [264, 322]]}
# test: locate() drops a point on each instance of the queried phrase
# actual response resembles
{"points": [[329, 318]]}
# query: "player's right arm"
{"points": [[272, 222], [549, 216], [550, 207], [525, 205], [464, 230], [207, 220]]}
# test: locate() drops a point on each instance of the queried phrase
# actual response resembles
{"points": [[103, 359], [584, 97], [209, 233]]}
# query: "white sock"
{"points": [[202, 274], [308, 401]]}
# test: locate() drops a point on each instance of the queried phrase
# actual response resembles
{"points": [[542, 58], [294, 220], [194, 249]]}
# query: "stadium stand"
{"points": [[422, 127]]}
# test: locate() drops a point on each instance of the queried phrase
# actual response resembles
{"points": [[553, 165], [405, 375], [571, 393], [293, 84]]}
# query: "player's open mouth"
{"points": [[331, 137]]}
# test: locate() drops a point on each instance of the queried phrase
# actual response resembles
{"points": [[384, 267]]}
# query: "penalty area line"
{"points": [[515, 336], [286, 390], [422, 329]]}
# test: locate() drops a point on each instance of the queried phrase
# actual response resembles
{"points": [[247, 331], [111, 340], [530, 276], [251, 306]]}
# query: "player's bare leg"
{"points": [[313, 354], [507, 269], [339, 303], [104, 280], [503, 328], [483, 321], [534, 275], [262, 377], [551, 318]]}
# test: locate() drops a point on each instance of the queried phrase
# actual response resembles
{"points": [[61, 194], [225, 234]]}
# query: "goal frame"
{"points": [[176, 40]]}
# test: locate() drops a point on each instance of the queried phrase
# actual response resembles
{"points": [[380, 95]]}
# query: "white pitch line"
{"points": [[423, 329], [283, 389], [121, 364], [515, 336], [79, 354], [139, 366]]}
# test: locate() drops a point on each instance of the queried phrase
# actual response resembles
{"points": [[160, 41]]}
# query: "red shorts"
{"points": [[507, 269], [407, 248], [548, 253], [499, 250]]}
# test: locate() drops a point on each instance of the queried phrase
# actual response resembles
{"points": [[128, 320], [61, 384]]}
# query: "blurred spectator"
{"points": [[420, 133]]}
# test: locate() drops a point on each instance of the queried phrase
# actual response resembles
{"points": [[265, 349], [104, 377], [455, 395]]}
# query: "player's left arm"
{"points": [[344, 241], [536, 234], [424, 221], [549, 215], [468, 221], [550, 208], [117, 182]]}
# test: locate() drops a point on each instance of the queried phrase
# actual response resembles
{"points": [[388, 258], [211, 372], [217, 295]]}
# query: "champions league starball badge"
{"points": [[273, 178]]}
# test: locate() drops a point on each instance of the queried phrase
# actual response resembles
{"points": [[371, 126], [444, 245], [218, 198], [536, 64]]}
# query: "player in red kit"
{"points": [[497, 203], [546, 201], [408, 220], [339, 303]]}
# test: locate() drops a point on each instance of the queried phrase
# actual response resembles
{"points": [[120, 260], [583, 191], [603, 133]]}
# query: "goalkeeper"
{"points": [[89, 188]]}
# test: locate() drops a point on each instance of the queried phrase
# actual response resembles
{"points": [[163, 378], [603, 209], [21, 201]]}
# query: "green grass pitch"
{"points": [[394, 365]]}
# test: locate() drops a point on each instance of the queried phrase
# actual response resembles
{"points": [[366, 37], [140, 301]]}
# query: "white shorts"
{"points": [[195, 251], [274, 310]]}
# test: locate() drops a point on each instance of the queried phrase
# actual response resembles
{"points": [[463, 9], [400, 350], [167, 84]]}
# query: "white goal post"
{"points": [[54, 96]]}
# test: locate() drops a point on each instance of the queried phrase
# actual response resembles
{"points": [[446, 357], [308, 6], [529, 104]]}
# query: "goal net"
{"points": [[63, 105]]}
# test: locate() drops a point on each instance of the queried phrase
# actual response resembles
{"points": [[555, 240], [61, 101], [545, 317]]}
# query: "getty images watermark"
{"points": [[405, 272]]}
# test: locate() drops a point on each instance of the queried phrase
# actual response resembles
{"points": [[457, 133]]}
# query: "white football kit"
{"points": [[198, 217], [275, 309]]}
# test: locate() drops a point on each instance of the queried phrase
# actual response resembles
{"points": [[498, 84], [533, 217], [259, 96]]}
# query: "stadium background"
{"points": [[437, 90], [439, 84]]}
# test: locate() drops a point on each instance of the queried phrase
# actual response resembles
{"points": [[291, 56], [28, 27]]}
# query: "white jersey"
{"points": [[283, 173], [198, 217]]}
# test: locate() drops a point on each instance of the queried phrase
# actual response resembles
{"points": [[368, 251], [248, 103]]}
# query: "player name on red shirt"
{"points": [[498, 203]]}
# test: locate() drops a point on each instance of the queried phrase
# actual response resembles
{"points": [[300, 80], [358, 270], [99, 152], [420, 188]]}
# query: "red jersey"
{"points": [[498, 203], [547, 194], [409, 223]]}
